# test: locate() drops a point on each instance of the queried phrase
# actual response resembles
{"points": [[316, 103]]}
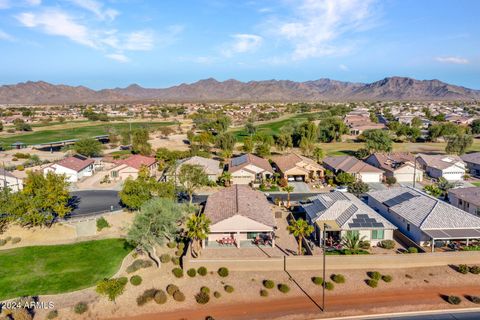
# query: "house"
{"points": [[467, 199], [249, 168], [360, 170], [449, 167], [472, 160], [344, 213], [294, 167], [399, 165], [74, 168], [240, 214], [423, 218], [210, 166], [8, 180], [130, 167]]}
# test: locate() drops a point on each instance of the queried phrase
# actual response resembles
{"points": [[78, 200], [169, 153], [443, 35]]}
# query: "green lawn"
{"points": [[45, 136], [476, 184], [61, 268]]}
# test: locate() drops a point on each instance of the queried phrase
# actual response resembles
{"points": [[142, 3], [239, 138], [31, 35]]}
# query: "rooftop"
{"points": [[76, 162], [470, 195], [242, 161], [349, 164]]}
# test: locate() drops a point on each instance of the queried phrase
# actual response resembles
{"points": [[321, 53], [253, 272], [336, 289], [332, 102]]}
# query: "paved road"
{"points": [[94, 201], [439, 316]]}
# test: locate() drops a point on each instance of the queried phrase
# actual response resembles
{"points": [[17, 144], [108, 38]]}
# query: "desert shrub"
{"points": [[317, 280], [138, 264], [223, 272], [160, 297], [372, 283], [475, 269], [171, 245], [52, 314], [136, 280], [20, 167], [178, 253], [16, 240], [178, 296], [112, 288], [338, 278], [283, 288], [181, 246], [177, 272], [364, 244], [149, 294], [171, 289], [329, 285], [20, 314], [176, 261], [202, 271], [228, 288], [474, 299], [375, 275], [269, 284], [3, 242], [387, 244], [80, 308], [205, 290], [217, 294], [141, 300], [263, 293], [102, 224], [192, 272], [8, 238], [463, 268], [387, 278], [165, 258], [412, 250], [454, 299], [202, 298], [408, 276], [122, 281]]}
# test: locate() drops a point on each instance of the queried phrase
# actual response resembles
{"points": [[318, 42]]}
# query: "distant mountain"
{"points": [[393, 88]]}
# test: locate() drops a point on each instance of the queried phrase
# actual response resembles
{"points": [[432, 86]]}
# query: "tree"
{"points": [[417, 122], [250, 127], [226, 141], [352, 241], [288, 190], [140, 142], [307, 146], [318, 154], [248, 145], [391, 181], [263, 149], [344, 179], [157, 222], [300, 229], [191, 177], [433, 190], [197, 229], [331, 129], [283, 141], [88, 147], [358, 188], [377, 140], [362, 153], [226, 178], [475, 126], [458, 144], [112, 288], [1, 126]]}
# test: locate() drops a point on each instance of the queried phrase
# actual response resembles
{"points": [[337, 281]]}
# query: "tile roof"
{"points": [[239, 200], [343, 208], [76, 162], [440, 161], [211, 166], [242, 161], [424, 211], [137, 161], [349, 164], [393, 161], [470, 195], [289, 161], [471, 157]]}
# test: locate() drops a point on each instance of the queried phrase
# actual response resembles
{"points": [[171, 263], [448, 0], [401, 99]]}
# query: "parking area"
{"points": [[299, 187]]}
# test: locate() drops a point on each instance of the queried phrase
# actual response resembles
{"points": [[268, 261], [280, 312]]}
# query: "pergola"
{"points": [[452, 234]]}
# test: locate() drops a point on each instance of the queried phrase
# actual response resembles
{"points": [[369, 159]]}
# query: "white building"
{"points": [[7, 179], [74, 168], [249, 168], [449, 167]]}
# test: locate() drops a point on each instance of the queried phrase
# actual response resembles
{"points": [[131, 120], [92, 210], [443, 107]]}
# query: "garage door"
{"points": [[370, 177]]}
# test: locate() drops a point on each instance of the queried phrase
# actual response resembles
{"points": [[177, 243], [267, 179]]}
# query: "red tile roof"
{"points": [[77, 163], [137, 161]]}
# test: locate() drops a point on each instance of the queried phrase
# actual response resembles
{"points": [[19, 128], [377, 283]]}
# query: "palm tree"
{"points": [[288, 189], [198, 228], [352, 241], [226, 178], [300, 229]]}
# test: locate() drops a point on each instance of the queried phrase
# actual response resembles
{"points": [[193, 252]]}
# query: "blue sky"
{"points": [[113, 43]]}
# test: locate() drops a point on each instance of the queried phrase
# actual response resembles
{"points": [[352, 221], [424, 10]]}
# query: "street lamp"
{"points": [[325, 226]]}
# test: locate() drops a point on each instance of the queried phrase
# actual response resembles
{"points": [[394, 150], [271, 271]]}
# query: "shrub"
{"points": [[202, 271], [8, 238], [228, 288], [141, 300], [16, 240], [102, 224], [475, 269], [176, 261], [454, 299], [263, 293], [412, 250], [375, 275], [171, 289], [3, 242], [20, 167], [136, 280], [177, 272], [181, 246], [178, 253], [269, 284], [165, 258], [160, 297], [474, 299], [138, 264], [171, 245], [217, 294], [338, 278], [202, 298], [52, 314], [387, 278], [178, 296], [80, 308], [364, 244], [205, 290], [387, 244], [112, 288], [192, 272], [317, 280], [372, 283], [283, 288], [149, 294], [122, 280], [223, 272], [463, 268]]}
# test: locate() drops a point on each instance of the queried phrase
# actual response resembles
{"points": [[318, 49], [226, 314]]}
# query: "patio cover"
{"points": [[451, 234], [331, 225]]}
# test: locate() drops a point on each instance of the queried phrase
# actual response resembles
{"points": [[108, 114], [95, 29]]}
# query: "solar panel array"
{"points": [[364, 221], [239, 160], [399, 199]]}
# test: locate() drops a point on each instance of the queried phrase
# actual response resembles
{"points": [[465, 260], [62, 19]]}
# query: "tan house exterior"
{"points": [[249, 168], [400, 165], [467, 199], [293, 167], [362, 171], [130, 167]]}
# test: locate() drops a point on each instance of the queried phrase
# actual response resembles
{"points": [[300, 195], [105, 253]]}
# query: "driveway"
{"points": [[89, 202], [299, 187]]}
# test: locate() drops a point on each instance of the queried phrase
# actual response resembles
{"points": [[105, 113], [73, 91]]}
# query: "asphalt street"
{"points": [[443, 316], [89, 202]]}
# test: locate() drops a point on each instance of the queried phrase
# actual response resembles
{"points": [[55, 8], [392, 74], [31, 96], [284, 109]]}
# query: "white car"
{"points": [[341, 189]]}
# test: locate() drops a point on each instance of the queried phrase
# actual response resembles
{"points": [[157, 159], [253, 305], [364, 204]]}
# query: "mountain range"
{"points": [[388, 89]]}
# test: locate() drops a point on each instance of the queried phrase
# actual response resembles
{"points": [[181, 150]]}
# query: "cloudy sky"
{"points": [[110, 43]]}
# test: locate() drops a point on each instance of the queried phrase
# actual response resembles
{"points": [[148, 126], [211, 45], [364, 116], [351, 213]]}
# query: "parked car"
{"points": [[341, 189]]}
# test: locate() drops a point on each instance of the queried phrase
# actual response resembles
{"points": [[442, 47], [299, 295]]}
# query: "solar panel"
{"points": [[354, 225], [239, 160], [362, 216], [399, 199]]}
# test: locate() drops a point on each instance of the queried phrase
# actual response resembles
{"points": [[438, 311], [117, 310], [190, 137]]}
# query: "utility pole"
{"points": [[414, 171]]}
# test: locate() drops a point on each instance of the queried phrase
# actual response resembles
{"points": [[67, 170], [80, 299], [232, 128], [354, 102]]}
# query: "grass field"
{"points": [[45, 136], [56, 269]]}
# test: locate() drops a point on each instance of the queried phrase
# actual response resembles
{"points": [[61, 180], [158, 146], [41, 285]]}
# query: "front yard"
{"points": [[61, 268]]}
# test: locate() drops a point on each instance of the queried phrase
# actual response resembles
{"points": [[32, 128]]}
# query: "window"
{"points": [[251, 235], [378, 234], [353, 233], [408, 226]]}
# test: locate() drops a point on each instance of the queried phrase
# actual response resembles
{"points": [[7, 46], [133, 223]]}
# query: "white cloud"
{"points": [[5, 36], [33, 2], [343, 67], [97, 8], [139, 41], [454, 60], [5, 4], [243, 43], [318, 26], [118, 57]]}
